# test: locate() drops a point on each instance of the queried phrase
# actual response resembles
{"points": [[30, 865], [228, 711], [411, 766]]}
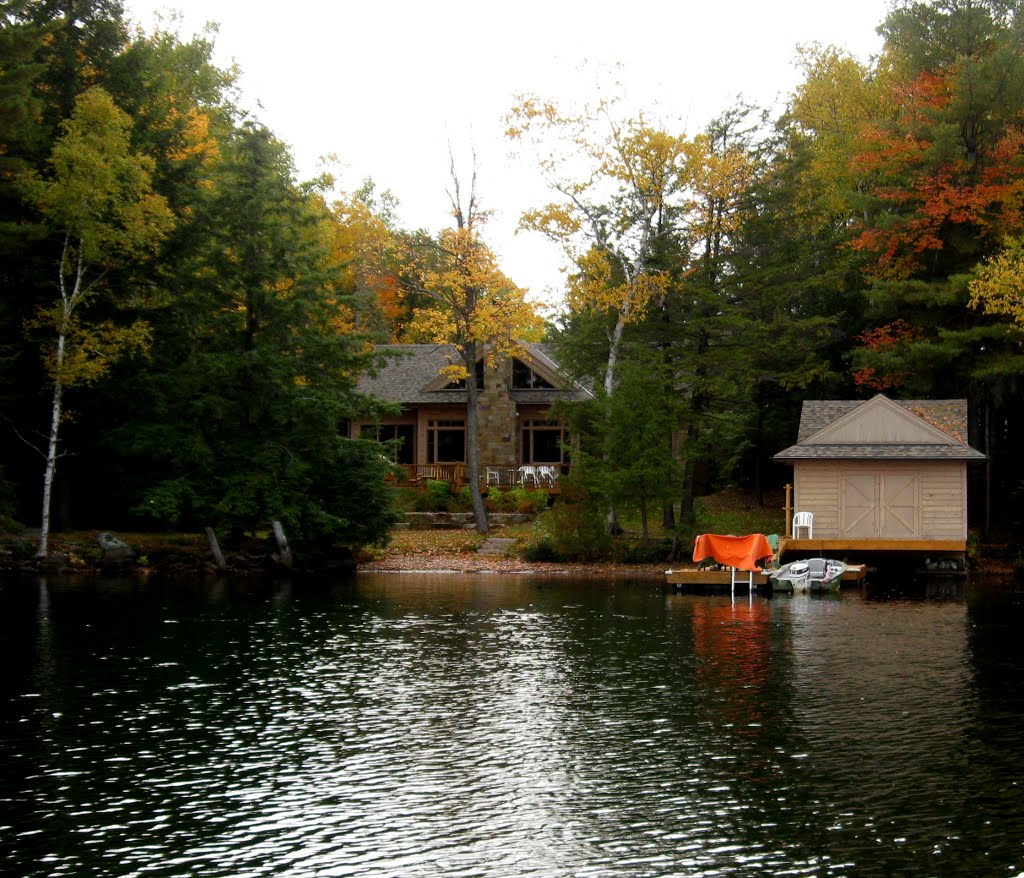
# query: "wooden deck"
{"points": [[457, 476], [788, 547]]}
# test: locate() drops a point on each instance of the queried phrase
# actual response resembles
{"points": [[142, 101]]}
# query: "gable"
{"points": [[880, 421], [882, 429], [443, 380], [542, 375], [543, 371], [412, 375]]}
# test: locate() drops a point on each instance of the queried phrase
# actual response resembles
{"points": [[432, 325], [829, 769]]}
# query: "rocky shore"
{"points": [[92, 554]]}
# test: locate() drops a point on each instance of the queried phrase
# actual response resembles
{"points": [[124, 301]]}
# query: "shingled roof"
{"points": [[942, 433], [411, 369]]}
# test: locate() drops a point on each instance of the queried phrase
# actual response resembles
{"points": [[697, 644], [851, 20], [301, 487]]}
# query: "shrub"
{"points": [[541, 551], [461, 502], [439, 493], [413, 500], [495, 499], [538, 501], [23, 550], [575, 530], [517, 499], [633, 551]]}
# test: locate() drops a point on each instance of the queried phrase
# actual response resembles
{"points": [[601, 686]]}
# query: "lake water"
{"points": [[502, 726]]}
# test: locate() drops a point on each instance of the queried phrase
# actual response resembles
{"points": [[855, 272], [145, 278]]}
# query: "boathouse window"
{"points": [[401, 435], [543, 442], [524, 378], [446, 441]]}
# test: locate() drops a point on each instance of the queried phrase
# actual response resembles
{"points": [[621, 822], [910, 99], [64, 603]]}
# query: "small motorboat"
{"points": [[810, 574]]}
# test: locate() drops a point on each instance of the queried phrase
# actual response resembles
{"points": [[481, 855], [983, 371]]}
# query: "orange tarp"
{"points": [[740, 552]]}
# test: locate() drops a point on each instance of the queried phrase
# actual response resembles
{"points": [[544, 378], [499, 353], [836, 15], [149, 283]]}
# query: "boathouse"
{"points": [[881, 475]]}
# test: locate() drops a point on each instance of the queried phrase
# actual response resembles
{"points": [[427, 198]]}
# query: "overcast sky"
{"points": [[386, 86]]}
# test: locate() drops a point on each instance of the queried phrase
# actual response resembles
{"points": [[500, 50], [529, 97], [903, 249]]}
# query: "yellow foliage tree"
{"points": [[720, 173], [475, 308], [998, 287], [614, 186], [838, 98], [369, 253], [618, 184], [99, 204]]}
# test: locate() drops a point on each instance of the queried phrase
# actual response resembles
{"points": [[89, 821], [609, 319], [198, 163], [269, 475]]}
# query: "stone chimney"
{"points": [[499, 426]]}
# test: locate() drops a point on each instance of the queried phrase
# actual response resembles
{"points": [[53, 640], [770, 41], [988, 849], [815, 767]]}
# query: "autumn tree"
{"points": [[474, 308], [181, 106], [609, 209], [247, 240], [245, 407], [943, 151], [369, 251], [824, 123], [940, 187], [51, 51], [616, 187], [801, 286], [99, 203], [998, 287]]}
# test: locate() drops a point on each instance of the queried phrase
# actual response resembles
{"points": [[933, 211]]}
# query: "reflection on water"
{"points": [[499, 726]]}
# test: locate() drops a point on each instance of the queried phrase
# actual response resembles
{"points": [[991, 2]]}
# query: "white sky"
{"points": [[387, 85]]}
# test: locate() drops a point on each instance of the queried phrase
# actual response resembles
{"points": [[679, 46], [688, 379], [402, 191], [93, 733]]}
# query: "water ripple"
{"points": [[417, 728]]}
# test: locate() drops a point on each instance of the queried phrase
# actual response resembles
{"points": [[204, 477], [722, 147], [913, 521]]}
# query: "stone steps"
{"points": [[495, 546]]}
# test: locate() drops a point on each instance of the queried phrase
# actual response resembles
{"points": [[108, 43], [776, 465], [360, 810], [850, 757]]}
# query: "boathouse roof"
{"points": [[882, 429]]}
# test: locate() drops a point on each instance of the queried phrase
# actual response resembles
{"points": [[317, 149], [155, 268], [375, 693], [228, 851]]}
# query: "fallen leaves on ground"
{"points": [[449, 550]]}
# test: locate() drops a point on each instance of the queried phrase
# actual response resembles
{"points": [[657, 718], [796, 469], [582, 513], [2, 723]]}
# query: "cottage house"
{"points": [[516, 394], [883, 474]]}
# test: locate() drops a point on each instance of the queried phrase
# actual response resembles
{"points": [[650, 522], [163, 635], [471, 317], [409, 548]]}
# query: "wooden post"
{"points": [[789, 511], [284, 554], [218, 558]]}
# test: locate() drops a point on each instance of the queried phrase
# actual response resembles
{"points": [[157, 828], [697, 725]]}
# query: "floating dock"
{"points": [[694, 578]]}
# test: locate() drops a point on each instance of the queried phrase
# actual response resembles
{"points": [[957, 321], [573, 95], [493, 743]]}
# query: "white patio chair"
{"points": [[493, 476], [526, 472], [804, 520]]}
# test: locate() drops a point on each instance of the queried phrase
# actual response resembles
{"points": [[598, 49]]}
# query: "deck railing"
{"points": [[504, 477]]}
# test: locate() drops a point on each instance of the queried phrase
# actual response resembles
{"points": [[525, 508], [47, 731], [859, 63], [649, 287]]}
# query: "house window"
{"points": [[543, 442], [461, 383], [401, 435], [446, 441], [524, 378]]}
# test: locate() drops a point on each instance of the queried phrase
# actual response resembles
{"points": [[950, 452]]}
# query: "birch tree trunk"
{"points": [[51, 455], [68, 303], [610, 384]]}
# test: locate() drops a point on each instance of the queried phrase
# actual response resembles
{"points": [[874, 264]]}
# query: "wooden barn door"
{"points": [[879, 505], [859, 506], [899, 506]]}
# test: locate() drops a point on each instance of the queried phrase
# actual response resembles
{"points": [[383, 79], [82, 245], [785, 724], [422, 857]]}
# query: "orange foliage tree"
{"points": [[885, 340]]}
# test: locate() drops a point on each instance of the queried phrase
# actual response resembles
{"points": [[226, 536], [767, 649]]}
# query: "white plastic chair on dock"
{"points": [[805, 520], [493, 476]]}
